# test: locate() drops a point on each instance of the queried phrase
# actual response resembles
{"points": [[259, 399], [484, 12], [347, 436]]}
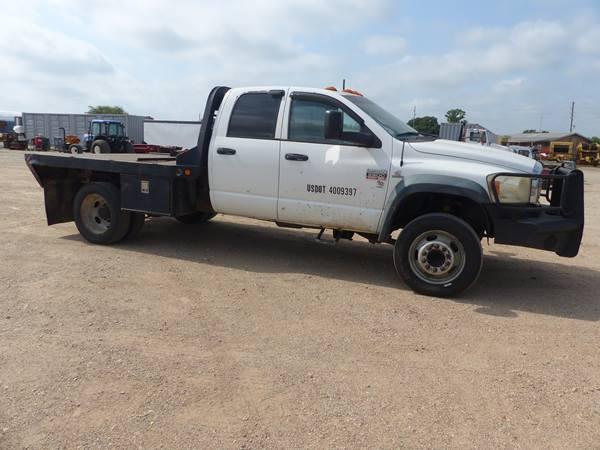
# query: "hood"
{"points": [[476, 152]]}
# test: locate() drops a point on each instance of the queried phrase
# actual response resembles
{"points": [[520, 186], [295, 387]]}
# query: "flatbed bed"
{"points": [[153, 184], [156, 164], [157, 184]]}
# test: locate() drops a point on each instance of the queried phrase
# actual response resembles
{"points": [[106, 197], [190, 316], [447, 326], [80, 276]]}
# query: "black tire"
{"points": [[128, 147], [443, 244], [195, 218], [137, 223], [100, 146], [98, 214]]}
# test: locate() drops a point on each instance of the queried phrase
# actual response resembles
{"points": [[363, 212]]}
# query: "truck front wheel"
{"points": [[438, 254], [98, 214]]}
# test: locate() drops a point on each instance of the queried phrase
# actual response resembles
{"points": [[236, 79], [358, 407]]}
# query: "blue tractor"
{"points": [[104, 136]]}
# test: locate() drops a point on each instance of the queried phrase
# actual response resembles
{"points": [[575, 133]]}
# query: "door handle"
{"points": [[296, 157], [225, 151]]}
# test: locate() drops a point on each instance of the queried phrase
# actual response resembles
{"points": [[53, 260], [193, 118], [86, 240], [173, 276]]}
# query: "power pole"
{"points": [[541, 120], [572, 115], [414, 112], [343, 84]]}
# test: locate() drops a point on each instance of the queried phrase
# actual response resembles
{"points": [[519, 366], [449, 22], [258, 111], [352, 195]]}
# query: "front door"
{"points": [[330, 183]]}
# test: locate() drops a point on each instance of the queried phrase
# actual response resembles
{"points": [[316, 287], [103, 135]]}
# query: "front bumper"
{"points": [[556, 227]]}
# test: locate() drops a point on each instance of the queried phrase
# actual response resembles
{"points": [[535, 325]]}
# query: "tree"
{"points": [[105, 109], [534, 131], [425, 125], [596, 139], [455, 115]]}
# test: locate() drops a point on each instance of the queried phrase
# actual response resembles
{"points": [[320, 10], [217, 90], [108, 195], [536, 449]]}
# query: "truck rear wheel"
{"points": [[197, 217], [100, 146], [98, 214], [438, 255]]}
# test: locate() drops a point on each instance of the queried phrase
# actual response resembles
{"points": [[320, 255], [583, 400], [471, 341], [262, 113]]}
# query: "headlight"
{"points": [[513, 189]]}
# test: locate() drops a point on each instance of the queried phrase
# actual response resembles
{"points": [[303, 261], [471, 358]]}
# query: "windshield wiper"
{"points": [[416, 135], [407, 133]]}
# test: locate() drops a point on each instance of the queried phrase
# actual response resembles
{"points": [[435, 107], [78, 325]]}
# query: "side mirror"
{"points": [[365, 139], [334, 124]]}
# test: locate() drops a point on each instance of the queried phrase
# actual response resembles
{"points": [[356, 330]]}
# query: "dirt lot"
{"points": [[238, 334]]}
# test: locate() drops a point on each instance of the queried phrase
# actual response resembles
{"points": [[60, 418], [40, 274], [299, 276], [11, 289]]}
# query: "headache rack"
{"points": [[555, 226], [562, 189]]}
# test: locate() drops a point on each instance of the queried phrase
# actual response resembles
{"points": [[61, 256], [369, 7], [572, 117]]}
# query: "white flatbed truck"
{"points": [[306, 157]]}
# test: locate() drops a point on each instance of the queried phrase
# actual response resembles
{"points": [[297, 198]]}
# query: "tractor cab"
{"points": [[107, 128]]}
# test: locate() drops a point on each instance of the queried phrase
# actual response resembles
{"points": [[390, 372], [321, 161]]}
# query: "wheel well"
{"points": [[424, 203]]}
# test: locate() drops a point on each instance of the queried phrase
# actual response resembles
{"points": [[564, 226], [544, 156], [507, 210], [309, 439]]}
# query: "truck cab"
{"points": [[273, 159], [319, 158]]}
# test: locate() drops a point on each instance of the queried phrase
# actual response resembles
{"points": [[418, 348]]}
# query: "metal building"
{"points": [[48, 124], [543, 141]]}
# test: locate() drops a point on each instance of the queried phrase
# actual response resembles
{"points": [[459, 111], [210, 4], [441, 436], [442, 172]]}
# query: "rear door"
{"points": [[330, 183], [244, 156]]}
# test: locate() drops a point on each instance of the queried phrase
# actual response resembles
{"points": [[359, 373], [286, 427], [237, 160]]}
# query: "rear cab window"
{"points": [[254, 116]]}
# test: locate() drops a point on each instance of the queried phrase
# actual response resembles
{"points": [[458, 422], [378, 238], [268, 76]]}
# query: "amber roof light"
{"points": [[353, 92]]}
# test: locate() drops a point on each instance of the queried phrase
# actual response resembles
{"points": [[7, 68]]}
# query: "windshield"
{"points": [[115, 129], [387, 120]]}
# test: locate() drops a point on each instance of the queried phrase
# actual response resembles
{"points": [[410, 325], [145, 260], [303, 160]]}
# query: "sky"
{"points": [[511, 65]]}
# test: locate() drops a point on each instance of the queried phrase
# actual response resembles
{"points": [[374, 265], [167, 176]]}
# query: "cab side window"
{"points": [[307, 120], [254, 116], [96, 128]]}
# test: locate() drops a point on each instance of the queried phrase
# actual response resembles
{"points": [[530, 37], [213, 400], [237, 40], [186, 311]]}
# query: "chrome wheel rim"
{"points": [[437, 257], [95, 214]]}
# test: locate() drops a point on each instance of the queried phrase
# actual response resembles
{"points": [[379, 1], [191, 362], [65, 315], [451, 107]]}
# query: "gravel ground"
{"points": [[238, 334]]}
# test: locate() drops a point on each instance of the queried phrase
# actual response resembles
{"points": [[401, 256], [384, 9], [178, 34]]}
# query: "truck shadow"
{"points": [[507, 285]]}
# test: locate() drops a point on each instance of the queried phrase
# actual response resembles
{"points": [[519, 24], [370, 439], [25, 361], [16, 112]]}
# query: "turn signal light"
{"points": [[187, 172]]}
